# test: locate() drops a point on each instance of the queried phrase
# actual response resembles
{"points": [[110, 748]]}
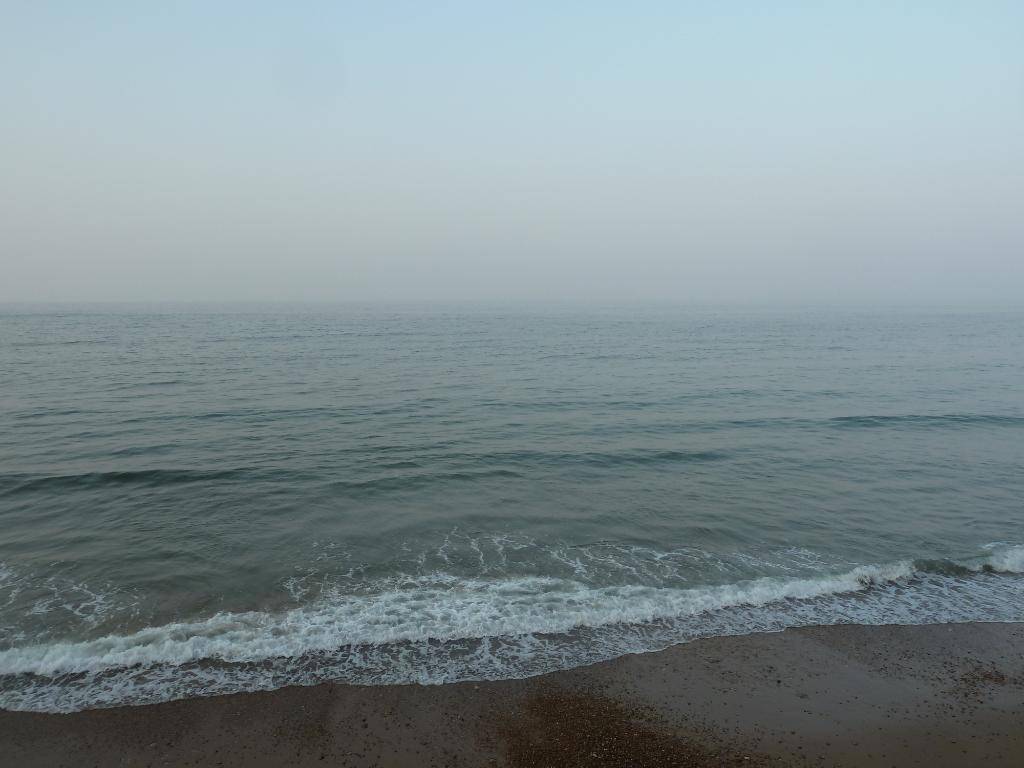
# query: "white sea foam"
{"points": [[441, 628], [1007, 559], [435, 609]]}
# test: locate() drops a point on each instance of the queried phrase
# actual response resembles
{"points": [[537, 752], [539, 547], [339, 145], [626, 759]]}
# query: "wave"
{"points": [[638, 457], [634, 458], [439, 608], [442, 628], [14, 484], [1007, 559], [928, 420], [23, 483]]}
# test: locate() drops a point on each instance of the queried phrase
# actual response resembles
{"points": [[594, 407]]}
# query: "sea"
{"points": [[198, 500]]}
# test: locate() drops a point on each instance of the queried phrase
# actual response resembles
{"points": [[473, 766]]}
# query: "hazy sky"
{"points": [[693, 151]]}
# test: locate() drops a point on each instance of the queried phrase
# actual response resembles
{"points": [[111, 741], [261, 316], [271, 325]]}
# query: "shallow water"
{"points": [[213, 500]]}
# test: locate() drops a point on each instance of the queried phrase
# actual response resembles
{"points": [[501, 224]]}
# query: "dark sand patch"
{"points": [[559, 729]]}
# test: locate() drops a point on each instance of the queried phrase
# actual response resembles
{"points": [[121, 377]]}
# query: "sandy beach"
{"points": [[941, 695]]}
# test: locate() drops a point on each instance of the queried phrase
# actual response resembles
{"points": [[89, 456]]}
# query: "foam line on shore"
{"points": [[438, 608]]}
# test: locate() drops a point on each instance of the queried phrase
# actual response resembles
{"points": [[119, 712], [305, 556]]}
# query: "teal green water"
{"points": [[201, 501]]}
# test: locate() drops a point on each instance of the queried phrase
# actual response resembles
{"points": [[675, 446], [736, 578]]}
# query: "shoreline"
{"points": [[850, 695]]}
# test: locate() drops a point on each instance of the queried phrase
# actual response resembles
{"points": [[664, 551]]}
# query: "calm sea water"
{"points": [[200, 501]]}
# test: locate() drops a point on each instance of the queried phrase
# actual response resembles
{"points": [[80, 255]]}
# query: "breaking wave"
{"points": [[441, 628]]}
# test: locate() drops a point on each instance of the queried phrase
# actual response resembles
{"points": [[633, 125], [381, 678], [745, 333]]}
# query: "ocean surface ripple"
{"points": [[208, 501]]}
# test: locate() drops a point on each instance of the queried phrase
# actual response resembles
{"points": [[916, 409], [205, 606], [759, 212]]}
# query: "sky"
{"points": [[691, 152]]}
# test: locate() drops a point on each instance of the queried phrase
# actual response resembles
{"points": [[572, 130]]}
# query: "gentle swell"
{"points": [[925, 420], [24, 483], [13, 484]]}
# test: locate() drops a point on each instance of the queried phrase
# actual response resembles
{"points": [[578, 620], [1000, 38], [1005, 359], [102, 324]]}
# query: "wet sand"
{"points": [[943, 695]]}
